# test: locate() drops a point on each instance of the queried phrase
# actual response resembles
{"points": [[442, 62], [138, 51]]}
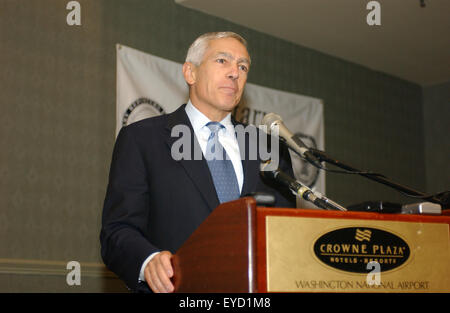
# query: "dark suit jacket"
{"points": [[155, 203]]}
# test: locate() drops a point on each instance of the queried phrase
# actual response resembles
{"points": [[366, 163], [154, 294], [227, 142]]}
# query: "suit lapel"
{"points": [[197, 170]]}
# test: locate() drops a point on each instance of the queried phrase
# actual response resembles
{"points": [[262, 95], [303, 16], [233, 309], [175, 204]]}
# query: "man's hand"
{"points": [[159, 271]]}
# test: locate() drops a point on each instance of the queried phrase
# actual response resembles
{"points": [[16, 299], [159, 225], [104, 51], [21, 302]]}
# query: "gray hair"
{"points": [[197, 49]]}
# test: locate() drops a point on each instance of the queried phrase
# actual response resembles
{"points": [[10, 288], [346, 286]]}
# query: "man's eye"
{"points": [[243, 68], [221, 61]]}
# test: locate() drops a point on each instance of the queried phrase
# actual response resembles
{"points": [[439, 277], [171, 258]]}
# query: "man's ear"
{"points": [[189, 73]]}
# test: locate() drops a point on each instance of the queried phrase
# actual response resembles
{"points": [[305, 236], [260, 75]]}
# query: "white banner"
{"points": [[148, 86]]}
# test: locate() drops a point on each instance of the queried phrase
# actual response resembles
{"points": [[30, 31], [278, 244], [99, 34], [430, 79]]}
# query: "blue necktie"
{"points": [[220, 166]]}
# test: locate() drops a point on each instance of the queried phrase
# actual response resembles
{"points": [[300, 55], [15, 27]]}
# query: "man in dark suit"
{"points": [[155, 200]]}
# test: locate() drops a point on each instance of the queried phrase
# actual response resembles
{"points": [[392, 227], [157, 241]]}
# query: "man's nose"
{"points": [[234, 72]]}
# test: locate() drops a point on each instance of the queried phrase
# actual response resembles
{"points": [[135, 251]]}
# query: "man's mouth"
{"points": [[229, 89]]}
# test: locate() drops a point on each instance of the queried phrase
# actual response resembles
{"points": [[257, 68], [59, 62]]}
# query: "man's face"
{"points": [[218, 82]]}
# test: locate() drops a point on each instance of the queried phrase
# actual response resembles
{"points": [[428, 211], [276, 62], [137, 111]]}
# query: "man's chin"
{"points": [[229, 106]]}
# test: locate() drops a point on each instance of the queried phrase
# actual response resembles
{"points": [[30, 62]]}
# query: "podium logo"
{"points": [[351, 249], [362, 235]]}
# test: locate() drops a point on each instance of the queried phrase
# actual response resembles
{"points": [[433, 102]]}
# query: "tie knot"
{"points": [[214, 127]]}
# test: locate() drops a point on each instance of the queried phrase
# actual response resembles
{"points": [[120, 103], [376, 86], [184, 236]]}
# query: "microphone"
{"points": [[272, 120], [299, 189]]}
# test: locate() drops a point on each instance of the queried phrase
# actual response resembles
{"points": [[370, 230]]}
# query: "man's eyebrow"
{"points": [[224, 54], [244, 60], [229, 56]]}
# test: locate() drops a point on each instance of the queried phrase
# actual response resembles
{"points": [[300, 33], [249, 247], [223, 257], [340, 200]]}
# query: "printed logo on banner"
{"points": [[140, 109], [303, 170]]}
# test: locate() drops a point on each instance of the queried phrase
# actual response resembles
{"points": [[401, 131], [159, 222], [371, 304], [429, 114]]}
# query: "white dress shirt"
{"points": [[227, 138]]}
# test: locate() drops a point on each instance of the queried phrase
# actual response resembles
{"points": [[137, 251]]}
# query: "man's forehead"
{"points": [[228, 55], [229, 47]]}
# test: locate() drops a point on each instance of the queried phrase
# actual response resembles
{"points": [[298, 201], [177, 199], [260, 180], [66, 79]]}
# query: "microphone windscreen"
{"points": [[269, 119]]}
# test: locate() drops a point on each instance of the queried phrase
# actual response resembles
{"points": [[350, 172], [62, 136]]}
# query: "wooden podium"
{"points": [[242, 248]]}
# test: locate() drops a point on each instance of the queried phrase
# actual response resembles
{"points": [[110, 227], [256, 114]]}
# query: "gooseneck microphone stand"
{"points": [[443, 199]]}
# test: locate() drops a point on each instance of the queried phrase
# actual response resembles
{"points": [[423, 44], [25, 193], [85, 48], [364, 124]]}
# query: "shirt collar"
{"points": [[199, 120]]}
